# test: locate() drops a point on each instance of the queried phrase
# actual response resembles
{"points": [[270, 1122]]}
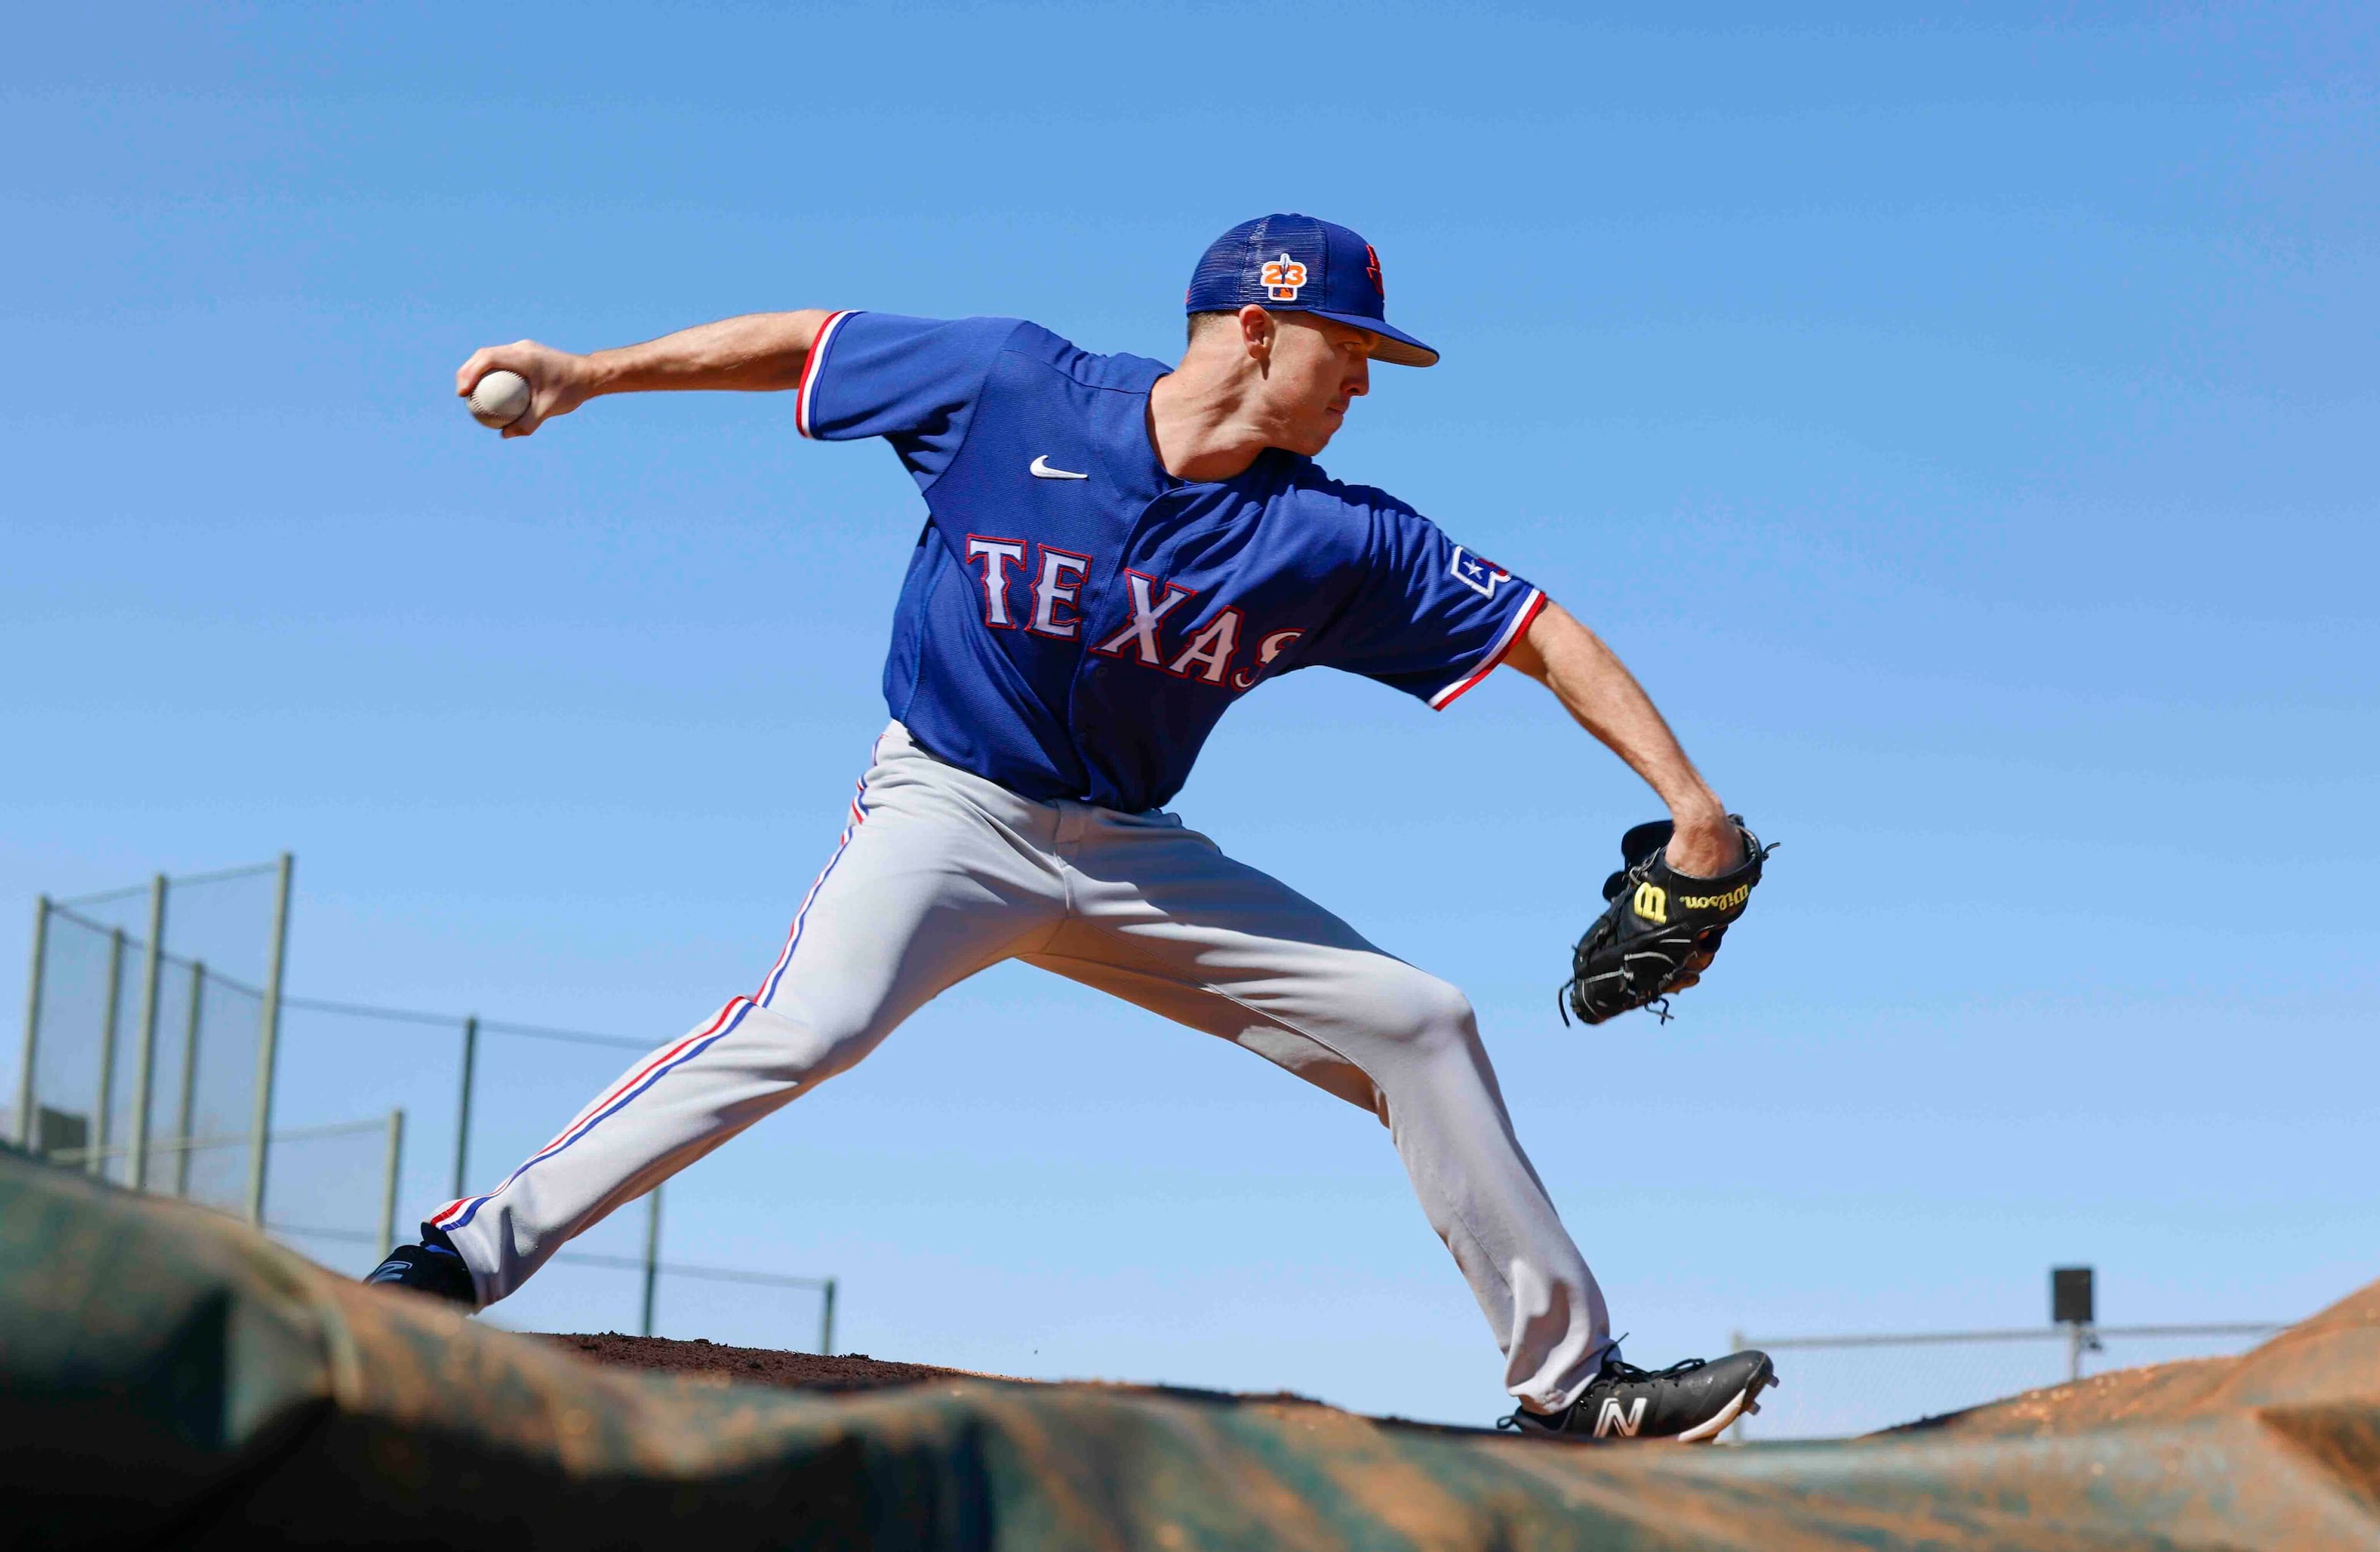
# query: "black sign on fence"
{"points": [[2070, 1296]]}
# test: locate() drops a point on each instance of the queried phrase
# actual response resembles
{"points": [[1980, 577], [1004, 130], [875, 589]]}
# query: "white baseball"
{"points": [[500, 398]]}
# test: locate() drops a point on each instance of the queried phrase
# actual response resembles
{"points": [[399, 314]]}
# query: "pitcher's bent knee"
{"points": [[1415, 1009]]}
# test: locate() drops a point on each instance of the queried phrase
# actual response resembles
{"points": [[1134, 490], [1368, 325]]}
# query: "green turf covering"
{"points": [[169, 1379]]}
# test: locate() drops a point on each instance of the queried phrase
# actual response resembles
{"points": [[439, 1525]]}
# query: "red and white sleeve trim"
{"points": [[806, 392], [1487, 665]]}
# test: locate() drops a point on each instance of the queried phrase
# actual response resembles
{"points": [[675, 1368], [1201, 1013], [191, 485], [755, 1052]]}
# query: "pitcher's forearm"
{"points": [[1598, 690], [756, 353], [761, 352]]}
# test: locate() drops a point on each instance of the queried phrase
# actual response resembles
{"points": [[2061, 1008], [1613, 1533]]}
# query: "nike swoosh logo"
{"points": [[1042, 471]]}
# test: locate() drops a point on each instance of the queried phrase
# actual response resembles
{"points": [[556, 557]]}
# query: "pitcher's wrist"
{"points": [[1704, 842]]}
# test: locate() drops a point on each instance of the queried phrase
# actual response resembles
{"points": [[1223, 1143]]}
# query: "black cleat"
{"points": [[1689, 1402], [432, 1267]]}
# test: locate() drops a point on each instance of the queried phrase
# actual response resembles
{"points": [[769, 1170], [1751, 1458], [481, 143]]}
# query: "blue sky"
{"points": [[1962, 422]]}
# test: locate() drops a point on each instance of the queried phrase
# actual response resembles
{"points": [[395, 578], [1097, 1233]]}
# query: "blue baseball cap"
{"points": [[1295, 264]]}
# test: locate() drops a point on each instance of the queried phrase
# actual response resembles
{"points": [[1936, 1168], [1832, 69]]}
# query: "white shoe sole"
{"points": [[1727, 1415]]}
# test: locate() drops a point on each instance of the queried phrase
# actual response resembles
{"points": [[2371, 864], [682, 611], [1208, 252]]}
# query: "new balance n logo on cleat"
{"points": [[1611, 1420]]}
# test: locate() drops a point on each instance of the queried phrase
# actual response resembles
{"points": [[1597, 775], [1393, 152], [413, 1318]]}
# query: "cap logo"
{"points": [[1283, 278], [1372, 268]]}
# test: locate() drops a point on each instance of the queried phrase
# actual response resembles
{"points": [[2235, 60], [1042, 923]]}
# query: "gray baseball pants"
{"points": [[942, 874]]}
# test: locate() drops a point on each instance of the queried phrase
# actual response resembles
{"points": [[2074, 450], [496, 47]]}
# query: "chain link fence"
{"points": [[161, 1053], [150, 1067], [1836, 1387]]}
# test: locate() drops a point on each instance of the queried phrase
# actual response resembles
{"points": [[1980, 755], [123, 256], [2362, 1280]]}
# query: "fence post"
{"points": [[186, 1110], [27, 1129], [268, 1042], [826, 1321], [463, 1107], [97, 1161], [144, 1073], [652, 1255], [395, 1166]]}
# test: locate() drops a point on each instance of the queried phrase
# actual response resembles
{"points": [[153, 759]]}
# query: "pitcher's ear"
{"points": [[1256, 331]]}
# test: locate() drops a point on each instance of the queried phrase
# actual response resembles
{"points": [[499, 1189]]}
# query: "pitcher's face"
{"points": [[1316, 368]]}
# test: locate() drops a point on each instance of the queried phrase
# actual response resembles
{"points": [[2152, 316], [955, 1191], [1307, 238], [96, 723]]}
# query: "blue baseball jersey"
{"points": [[1075, 620]]}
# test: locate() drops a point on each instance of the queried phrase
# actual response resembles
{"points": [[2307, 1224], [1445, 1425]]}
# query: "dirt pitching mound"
{"points": [[845, 1373], [756, 1366]]}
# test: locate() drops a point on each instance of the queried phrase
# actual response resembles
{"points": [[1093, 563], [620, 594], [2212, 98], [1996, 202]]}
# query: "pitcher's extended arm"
{"points": [[1597, 689], [756, 353]]}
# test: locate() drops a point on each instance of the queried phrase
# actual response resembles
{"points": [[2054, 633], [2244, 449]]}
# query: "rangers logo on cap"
{"points": [[1283, 278]]}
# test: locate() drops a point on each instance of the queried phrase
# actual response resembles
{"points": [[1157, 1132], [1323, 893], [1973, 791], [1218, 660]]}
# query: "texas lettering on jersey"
{"points": [[1205, 652], [1075, 619]]}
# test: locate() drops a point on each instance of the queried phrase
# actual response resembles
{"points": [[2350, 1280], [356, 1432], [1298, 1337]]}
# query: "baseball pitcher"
{"points": [[1116, 551]]}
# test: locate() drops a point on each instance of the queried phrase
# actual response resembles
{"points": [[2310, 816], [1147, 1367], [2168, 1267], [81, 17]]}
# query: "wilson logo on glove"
{"points": [[1654, 937]]}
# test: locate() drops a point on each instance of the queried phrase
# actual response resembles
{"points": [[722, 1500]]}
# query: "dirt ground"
{"points": [[756, 1366], [843, 1371]]}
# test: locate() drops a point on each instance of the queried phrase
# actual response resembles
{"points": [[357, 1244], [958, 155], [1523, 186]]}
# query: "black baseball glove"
{"points": [[1660, 932]]}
